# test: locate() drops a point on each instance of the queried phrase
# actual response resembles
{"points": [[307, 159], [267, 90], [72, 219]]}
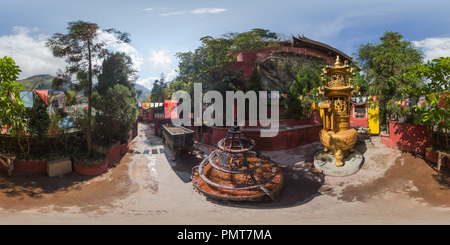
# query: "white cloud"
{"points": [[148, 82], [28, 50], [161, 58], [152, 9], [171, 75], [434, 47], [198, 11], [208, 11], [114, 44], [173, 13]]}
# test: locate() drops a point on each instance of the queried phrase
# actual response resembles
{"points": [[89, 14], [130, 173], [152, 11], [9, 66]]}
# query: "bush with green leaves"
{"points": [[436, 116], [116, 113], [11, 107]]}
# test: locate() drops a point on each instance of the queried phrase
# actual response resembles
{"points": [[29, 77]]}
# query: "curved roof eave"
{"points": [[303, 42]]}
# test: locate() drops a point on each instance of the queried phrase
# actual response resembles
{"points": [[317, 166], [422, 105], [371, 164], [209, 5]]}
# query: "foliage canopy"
{"points": [[11, 107], [386, 65]]}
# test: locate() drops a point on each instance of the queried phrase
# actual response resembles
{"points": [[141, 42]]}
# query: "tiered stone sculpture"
{"points": [[237, 171], [336, 134]]}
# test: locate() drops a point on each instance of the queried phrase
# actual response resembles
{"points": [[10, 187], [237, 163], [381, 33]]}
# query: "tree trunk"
{"points": [[88, 126]]}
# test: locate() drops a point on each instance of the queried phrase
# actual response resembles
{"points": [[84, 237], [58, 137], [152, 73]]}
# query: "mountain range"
{"points": [[44, 81]]}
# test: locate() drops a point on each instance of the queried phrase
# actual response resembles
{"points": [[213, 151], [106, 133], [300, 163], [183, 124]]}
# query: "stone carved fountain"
{"points": [[338, 158]]}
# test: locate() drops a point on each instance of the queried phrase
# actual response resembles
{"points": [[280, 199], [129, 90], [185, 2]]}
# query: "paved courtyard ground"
{"points": [[146, 187]]}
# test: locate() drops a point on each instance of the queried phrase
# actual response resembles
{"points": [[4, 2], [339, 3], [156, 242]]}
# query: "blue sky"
{"points": [[160, 29]]}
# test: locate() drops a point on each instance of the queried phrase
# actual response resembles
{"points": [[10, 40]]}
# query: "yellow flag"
{"points": [[71, 94]]}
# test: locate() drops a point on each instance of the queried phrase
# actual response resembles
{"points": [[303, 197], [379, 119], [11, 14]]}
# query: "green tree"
{"points": [[115, 99], [159, 91], [386, 65], [255, 39], [117, 68], [116, 114], [212, 62], [38, 118], [254, 81], [266, 34], [306, 81], [11, 107], [436, 73], [81, 47]]}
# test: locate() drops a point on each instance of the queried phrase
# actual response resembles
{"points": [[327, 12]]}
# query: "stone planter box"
{"points": [[59, 167], [178, 138]]}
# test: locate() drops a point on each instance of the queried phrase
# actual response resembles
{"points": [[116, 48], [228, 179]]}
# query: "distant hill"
{"points": [[32, 83], [145, 90]]}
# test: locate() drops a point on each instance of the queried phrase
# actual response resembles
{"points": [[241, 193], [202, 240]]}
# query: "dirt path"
{"points": [[146, 187]]}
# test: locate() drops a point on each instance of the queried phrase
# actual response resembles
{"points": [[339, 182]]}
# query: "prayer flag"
{"points": [[70, 94], [170, 106], [43, 93], [27, 97], [422, 101], [59, 97]]}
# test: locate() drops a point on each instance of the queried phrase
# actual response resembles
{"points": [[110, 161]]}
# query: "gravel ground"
{"points": [[392, 187]]}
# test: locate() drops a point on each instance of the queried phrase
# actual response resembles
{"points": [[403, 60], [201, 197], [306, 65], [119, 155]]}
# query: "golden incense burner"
{"points": [[336, 134]]}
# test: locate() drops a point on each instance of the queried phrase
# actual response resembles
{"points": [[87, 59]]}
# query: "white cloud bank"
{"points": [[114, 44], [200, 11], [148, 82], [434, 47], [27, 49]]}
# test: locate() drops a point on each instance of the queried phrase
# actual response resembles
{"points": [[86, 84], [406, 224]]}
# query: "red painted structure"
{"points": [[408, 137], [292, 133], [300, 45], [354, 120]]}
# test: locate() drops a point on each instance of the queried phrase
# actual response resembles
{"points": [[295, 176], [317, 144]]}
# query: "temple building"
{"points": [[300, 46]]}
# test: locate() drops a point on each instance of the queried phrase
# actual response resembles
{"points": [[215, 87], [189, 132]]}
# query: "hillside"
{"points": [[32, 83], [144, 91]]}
